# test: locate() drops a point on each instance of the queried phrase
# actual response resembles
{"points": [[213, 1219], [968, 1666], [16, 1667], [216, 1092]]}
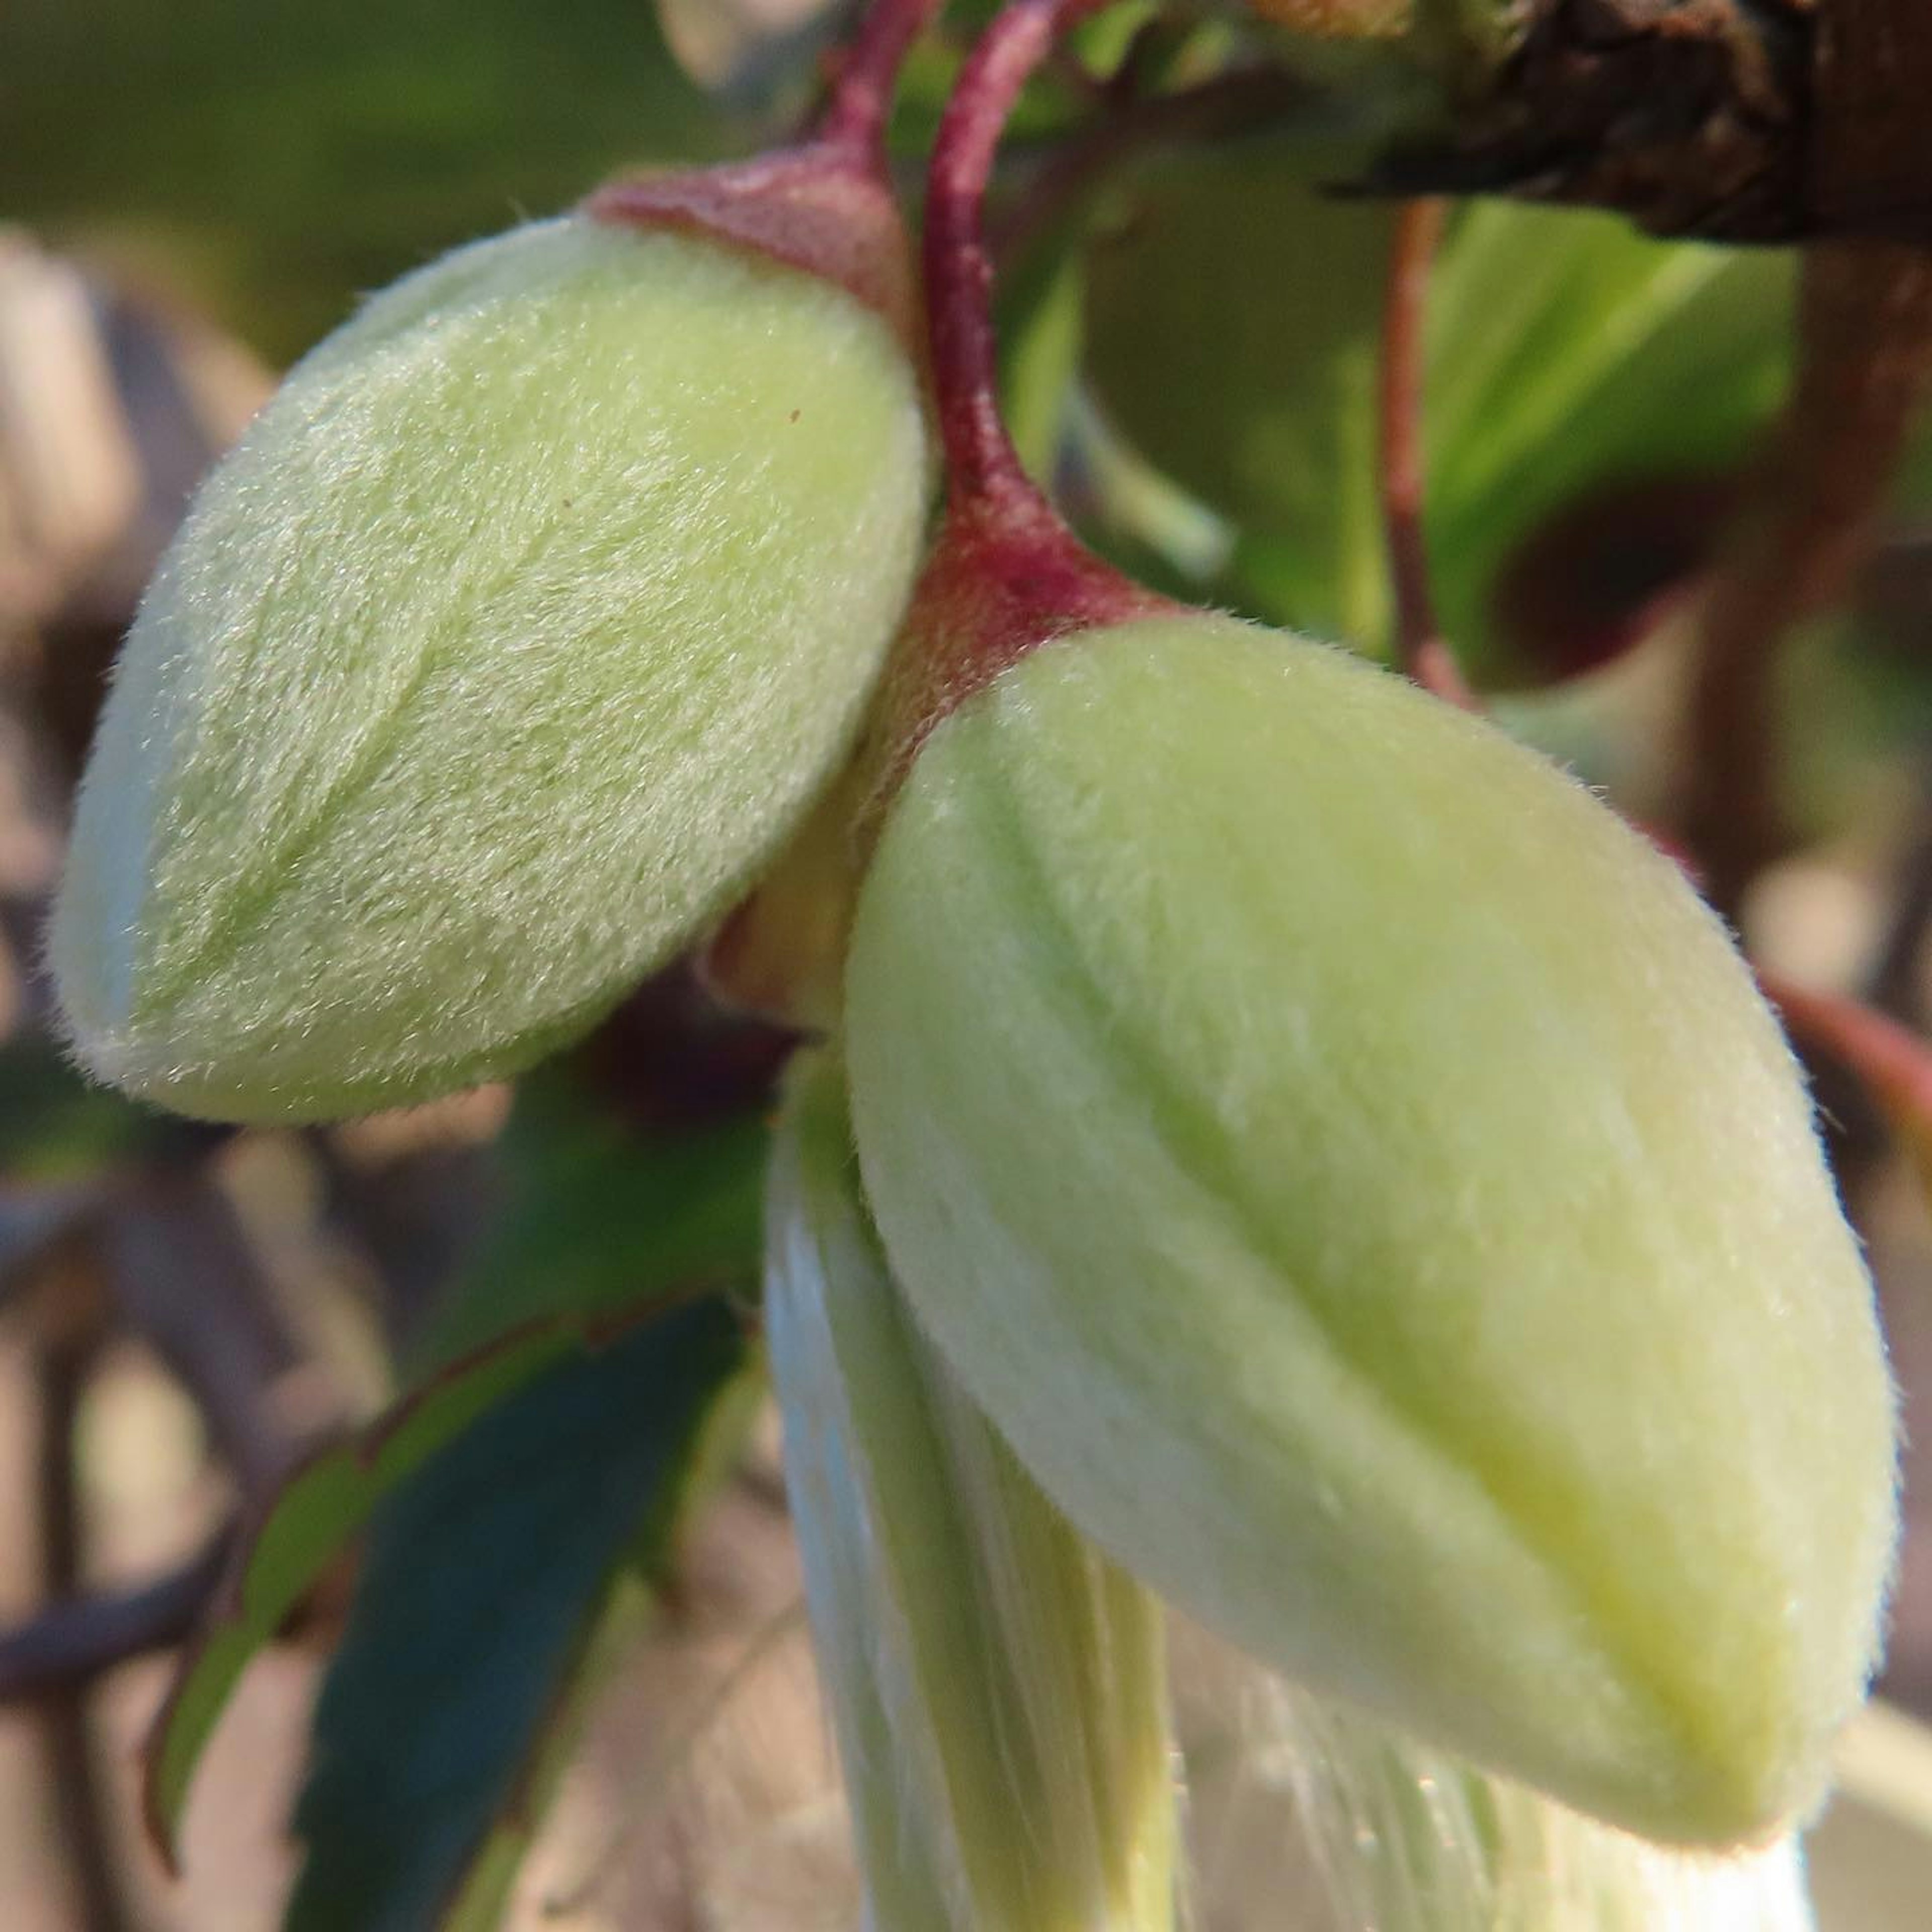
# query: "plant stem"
{"points": [[63, 1648], [1006, 574], [856, 117], [980, 456], [1892, 1062], [1421, 650], [72, 1299]]}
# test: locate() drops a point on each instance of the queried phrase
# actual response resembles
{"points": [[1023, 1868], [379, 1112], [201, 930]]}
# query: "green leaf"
{"points": [[1230, 323], [54, 1126], [1620, 362], [314, 1514], [1040, 340], [596, 1219], [284, 158], [488, 1580], [1233, 318], [596, 1225]]}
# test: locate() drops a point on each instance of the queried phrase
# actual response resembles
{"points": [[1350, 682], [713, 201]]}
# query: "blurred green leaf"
{"points": [[488, 1580], [1233, 318], [597, 1217], [55, 1126], [1040, 338], [1573, 360], [597, 1224], [314, 1514], [280, 158]]}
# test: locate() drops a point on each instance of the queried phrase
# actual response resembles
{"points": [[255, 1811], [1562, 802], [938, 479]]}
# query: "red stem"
{"points": [[1421, 649], [980, 457], [1006, 574], [856, 117], [1894, 1063]]}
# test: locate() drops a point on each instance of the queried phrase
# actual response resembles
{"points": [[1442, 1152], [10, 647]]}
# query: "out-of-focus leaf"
{"points": [[1231, 337], [752, 52], [597, 1224], [1570, 357], [596, 1218], [55, 1126], [487, 1580], [1234, 316], [1040, 338], [280, 157], [315, 1513]]}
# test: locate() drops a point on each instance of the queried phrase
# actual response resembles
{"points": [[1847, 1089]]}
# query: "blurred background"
{"points": [[190, 196]]}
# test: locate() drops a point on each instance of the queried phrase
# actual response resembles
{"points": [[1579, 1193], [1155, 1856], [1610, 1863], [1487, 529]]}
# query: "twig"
{"points": [[71, 1643], [34, 1219], [862, 94], [1421, 650], [185, 1280], [982, 462], [1865, 363], [71, 1334], [1006, 573], [1892, 1062]]}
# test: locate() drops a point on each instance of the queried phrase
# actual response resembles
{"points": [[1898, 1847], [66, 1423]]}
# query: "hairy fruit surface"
{"points": [[521, 628], [1362, 1181]]}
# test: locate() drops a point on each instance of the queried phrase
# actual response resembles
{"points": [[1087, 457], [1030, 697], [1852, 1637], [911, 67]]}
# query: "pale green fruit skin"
{"points": [[518, 631], [1360, 1180], [997, 1686]]}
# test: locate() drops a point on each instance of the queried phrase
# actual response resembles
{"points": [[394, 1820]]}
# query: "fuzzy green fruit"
{"points": [[1361, 1180], [520, 629], [998, 1687]]}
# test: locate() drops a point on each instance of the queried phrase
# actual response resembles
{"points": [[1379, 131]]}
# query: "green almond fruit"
{"points": [[1361, 1180], [516, 635], [998, 1688]]}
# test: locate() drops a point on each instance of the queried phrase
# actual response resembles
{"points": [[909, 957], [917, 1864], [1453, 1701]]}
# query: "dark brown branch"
{"points": [[1865, 365], [70, 1643], [1871, 167], [1734, 120], [186, 1282], [1691, 116], [72, 1328]]}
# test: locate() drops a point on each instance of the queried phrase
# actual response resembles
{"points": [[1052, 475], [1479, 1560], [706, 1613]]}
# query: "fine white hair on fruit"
{"points": [[1364, 1186], [519, 630]]}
